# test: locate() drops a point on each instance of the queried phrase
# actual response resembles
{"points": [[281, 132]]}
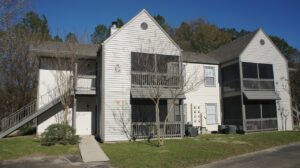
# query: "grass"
{"points": [[16, 147], [193, 151]]}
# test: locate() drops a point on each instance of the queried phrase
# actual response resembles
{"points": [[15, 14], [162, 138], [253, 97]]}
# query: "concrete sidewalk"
{"points": [[90, 150]]}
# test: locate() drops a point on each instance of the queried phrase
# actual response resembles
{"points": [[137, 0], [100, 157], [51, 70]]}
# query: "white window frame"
{"points": [[213, 76], [216, 115]]}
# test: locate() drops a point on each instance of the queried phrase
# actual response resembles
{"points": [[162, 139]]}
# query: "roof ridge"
{"points": [[233, 49]]}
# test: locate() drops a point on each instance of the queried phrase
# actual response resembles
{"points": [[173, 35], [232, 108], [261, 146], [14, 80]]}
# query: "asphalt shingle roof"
{"points": [[194, 57], [232, 50], [51, 48]]}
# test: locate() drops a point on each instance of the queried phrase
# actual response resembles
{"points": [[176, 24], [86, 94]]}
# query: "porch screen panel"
{"points": [[231, 78], [266, 71], [167, 64], [230, 72], [249, 70], [142, 62], [143, 110], [232, 107], [269, 109], [252, 110]]}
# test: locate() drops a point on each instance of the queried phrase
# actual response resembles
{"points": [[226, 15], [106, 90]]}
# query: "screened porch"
{"points": [[144, 117]]}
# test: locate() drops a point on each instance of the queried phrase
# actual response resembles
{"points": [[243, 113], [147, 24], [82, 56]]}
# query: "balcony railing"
{"points": [[143, 130], [232, 86], [140, 79], [258, 84], [86, 82], [262, 124]]}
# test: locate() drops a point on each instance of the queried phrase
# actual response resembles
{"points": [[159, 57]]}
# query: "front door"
{"points": [[84, 123]]}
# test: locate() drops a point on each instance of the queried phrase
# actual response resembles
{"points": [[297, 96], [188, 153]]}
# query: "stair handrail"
{"points": [[32, 103]]}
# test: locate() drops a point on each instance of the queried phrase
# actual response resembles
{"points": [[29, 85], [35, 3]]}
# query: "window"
{"points": [[209, 73], [266, 71], [211, 113], [250, 70]]}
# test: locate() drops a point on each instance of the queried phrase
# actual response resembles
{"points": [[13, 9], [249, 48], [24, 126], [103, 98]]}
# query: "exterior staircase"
{"points": [[29, 112]]}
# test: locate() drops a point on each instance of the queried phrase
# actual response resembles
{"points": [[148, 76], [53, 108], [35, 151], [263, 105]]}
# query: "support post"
{"points": [[74, 97], [182, 119]]}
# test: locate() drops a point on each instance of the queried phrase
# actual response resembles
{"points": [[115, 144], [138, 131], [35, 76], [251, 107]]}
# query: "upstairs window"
{"points": [[209, 73]]}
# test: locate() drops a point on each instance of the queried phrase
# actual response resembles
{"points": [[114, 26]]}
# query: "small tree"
{"points": [[284, 113], [66, 75], [161, 75]]}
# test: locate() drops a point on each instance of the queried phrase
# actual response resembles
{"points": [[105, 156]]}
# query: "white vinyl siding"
{"points": [[116, 85], [211, 113], [201, 95], [268, 54], [209, 74]]}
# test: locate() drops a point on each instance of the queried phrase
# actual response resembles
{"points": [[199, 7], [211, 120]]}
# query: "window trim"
{"points": [[214, 71], [216, 115]]}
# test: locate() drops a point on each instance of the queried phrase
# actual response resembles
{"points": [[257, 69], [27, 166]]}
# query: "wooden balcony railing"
{"points": [[86, 82], [261, 124], [141, 79], [232, 86], [142, 130], [258, 84]]}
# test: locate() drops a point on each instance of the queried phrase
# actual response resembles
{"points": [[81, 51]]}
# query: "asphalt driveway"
{"points": [[51, 162], [279, 157]]}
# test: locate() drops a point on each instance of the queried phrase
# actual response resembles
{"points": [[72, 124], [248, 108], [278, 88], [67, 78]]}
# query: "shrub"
{"points": [[59, 134], [27, 130]]}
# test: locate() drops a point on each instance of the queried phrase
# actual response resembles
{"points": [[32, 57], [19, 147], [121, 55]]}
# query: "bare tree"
{"points": [[10, 12], [284, 113], [162, 75], [120, 116], [65, 62], [19, 68], [189, 79]]}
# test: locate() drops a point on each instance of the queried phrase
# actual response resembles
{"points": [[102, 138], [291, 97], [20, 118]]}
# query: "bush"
{"points": [[59, 134], [27, 130]]}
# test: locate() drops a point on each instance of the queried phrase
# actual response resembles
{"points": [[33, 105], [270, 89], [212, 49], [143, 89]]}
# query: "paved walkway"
{"points": [[91, 151], [287, 156]]}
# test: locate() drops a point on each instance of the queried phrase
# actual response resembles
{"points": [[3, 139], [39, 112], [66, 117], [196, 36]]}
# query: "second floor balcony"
{"points": [[86, 84], [258, 84], [145, 79]]}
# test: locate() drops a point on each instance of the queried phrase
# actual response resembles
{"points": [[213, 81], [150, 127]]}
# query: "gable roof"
{"points": [[195, 57], [232, 50], [131, 20], [52, 48]]}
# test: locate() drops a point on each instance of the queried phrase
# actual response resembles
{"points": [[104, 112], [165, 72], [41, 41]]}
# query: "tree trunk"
{"points": [[157, 123], [66, 110]]}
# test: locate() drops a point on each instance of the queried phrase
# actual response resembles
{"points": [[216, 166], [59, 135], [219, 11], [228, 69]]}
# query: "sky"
{"points": [[276, 17]]}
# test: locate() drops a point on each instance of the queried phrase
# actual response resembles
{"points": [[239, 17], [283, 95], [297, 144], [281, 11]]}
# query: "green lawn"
{"points": [[193, 151], [15, 147]]}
